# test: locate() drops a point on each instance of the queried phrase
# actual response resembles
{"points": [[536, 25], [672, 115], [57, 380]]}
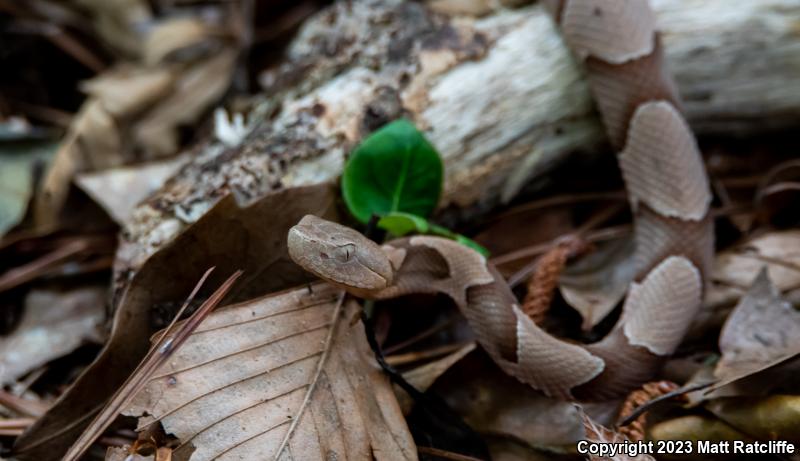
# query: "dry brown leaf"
{"points": [[129, 102], [54, 324], [162, 349], [596, 283], [199, 86], [123, 454], [734, 269], [151, 286], [119, 190], [171, 36], [424, 376], [93, 142], [600, 434], [288, 376], [702, 373], [127, 89], [119, 22], [761, 332], [492, 402]]}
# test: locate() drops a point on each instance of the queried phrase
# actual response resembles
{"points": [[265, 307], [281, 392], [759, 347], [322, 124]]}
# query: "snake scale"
{"points": [[668, 192]]}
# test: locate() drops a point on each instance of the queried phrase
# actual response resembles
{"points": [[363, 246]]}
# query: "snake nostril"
{"points": [[324, 255]]}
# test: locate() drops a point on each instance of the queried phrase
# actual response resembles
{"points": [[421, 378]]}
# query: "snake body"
{"points": [[669, 194]]}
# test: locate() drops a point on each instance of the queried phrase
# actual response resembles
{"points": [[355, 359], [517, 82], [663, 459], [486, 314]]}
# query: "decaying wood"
{"points": [[500, 97]]}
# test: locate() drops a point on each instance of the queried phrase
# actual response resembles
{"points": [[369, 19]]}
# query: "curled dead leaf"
{"points": [[198, 87], [145, 105], [119, 190], [492, 402], [596, 283], [119, 23], [762, 331], [54, 324], [733, 271], [424, 376], [175, 36], [150, 286], [92, 142], [598, 433], [127, 90], [287, 376]]}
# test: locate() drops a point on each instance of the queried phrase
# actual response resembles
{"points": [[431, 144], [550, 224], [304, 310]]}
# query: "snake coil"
{"points": [[669, 194]]}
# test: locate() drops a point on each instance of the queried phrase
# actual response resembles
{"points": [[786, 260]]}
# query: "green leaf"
{"points": [[466, 241], [394, 170], [400, 224], [443, 231]]}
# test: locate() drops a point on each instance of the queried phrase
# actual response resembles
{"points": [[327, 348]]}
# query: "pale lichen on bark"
{"points": [[500, 97]]}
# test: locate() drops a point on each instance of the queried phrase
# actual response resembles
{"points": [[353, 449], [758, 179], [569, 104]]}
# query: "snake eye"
{"points": [[344, 253]]}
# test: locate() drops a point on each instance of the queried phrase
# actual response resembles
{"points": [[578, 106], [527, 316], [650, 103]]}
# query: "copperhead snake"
{"points": [[669, 194]]}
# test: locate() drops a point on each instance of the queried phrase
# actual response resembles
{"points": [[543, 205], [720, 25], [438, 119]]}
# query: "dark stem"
{"points": [[432, 422], [393, 374], [373, 232]]}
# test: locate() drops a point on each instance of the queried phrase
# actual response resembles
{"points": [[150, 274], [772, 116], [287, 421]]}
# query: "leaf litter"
{"points": [[168, 71], [761, 332], [287, 376], [55, 323]]}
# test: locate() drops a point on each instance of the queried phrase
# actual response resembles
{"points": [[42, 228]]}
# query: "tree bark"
{"points": [[500, 97]]}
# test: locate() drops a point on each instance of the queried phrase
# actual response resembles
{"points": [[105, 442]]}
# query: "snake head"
{"points": [[339, 255]]}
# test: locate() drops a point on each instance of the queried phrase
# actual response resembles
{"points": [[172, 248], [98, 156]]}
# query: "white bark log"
{"points": [[500, 97]]}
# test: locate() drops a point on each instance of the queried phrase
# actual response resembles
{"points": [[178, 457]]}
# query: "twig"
{"points": [[166, 345], [646, 406], [37, 267], [635, 431], [411, 357], [444, 454], [430, 405], [393, 374], [62, 39], [51, 115], [15, 423], [566, 199], [420, 336], [600, 235], [22, 406], [608, 233]]}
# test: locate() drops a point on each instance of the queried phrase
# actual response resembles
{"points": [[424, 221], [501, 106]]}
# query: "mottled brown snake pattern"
{"points": [[669, 195]]}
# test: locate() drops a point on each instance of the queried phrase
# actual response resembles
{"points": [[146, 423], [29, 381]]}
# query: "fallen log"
{"points": [[500, 97]]}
